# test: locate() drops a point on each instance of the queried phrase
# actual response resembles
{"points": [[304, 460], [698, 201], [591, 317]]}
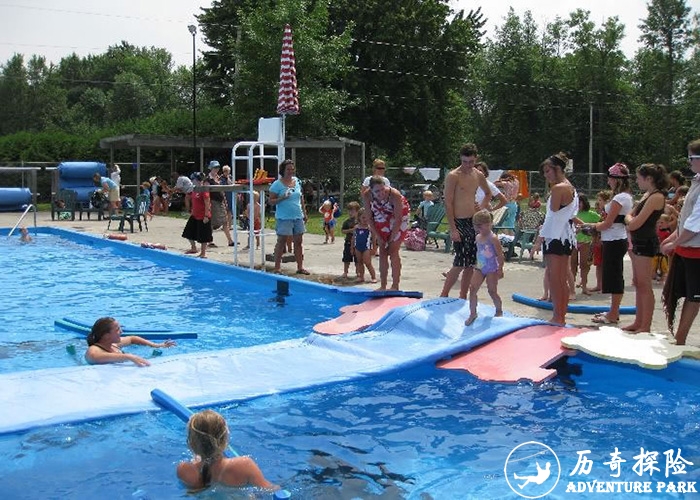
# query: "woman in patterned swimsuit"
{"points": [[389, 221]]}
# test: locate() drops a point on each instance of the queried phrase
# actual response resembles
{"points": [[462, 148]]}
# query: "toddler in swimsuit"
{"points": [[362, 244], [489, 264]]}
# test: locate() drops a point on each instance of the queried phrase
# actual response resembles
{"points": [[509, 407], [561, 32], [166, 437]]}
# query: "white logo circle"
{"points": [[528, 470]]}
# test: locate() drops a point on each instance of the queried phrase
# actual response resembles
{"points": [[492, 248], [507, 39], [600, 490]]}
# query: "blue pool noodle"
{"points": [[135, 331], [74, 326], [572, 308]]}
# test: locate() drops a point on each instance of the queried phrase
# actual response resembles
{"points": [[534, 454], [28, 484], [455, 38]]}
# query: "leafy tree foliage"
{"points": [[411, 78]]}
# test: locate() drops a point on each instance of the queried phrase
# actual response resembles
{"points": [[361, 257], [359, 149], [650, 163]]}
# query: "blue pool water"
{"points": [[55, 278], [423, 433], [420, 433]]}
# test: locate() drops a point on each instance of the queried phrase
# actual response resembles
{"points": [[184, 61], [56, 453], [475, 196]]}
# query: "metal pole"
{"points": [[590, 150], [193, 31]]}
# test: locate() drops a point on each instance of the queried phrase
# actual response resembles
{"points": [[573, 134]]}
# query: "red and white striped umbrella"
{"points": [[288, 97]]}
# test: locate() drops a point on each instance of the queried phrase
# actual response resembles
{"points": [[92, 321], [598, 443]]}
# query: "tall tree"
{"points": [[411, 58], [666, 35], [254, 49], [14, 95]]}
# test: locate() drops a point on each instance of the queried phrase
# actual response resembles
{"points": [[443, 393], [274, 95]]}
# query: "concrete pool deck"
{"points": [[421, 270]]}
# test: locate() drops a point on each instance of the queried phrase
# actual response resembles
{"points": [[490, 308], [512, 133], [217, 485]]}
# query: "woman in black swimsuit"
{"points": [[105, 344], [641, 224]]}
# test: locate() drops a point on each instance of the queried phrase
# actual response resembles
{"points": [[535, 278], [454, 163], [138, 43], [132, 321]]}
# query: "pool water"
{"points": [[421, 433], [55, 277]]}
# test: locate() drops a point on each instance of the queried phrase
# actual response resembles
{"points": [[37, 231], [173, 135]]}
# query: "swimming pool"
{"points": [[85, 278], [422, 433], [416, 433]]}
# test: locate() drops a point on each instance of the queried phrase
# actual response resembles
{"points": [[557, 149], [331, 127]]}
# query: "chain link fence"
{"points": [[588, 184]]}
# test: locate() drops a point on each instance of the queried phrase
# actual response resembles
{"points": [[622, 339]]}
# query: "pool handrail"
{"points": [[31, 206]]}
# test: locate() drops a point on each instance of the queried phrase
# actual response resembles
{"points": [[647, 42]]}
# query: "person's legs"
{"points": [[366, 259], [226, 227], [546, 293], [395, 261], [298, 251], [466, 281], [574, 261], [279, 250], [383, 265], [558, 267], [644, 294], [492, 284], [451, 278], [477, 280], [570, 279], [688, 314], [615, 301], [360, 264], [584, 257]]}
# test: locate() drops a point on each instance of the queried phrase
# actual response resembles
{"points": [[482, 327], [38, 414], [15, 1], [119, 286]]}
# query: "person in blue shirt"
{"points": [[290, 214], [110, 189]]}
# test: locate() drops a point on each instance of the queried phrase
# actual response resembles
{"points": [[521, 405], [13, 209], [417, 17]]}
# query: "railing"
{"points": [[21, 217]]}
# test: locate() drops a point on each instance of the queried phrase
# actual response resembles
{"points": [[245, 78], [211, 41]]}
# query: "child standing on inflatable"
{"points": [[489, 264], [362, 243], [327, 210], [207, 437]]}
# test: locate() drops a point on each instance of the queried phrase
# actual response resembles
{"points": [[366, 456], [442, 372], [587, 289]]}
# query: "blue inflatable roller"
{"points": [[14, 199], [572, 308], [82, 329], [81, 169]]}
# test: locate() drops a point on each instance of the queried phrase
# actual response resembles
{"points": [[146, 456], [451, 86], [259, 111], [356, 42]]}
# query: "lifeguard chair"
{"points": [[270, 135]]}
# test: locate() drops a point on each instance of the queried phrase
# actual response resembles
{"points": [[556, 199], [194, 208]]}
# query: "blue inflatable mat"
{"points": [[572, 308], [423, 332], [84, 329]]}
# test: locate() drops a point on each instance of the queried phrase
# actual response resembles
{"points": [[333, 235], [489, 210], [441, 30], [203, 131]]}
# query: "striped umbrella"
{"points": [[288, 97]]}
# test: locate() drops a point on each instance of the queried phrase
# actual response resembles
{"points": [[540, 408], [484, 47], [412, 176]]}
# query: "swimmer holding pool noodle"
{"points": [[206, 428]]}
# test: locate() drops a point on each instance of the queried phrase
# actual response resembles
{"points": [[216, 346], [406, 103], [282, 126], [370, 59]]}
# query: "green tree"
{"points": [[411, 60], [131, 98], [666, 35], [14, 95]]}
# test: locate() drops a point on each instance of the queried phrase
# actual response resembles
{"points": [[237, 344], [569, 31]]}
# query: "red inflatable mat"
{"points": [[359, 316], [520, 355]]}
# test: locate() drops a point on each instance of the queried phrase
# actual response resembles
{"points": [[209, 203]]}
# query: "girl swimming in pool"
{"points": [[105, 344], [489, 264], [207, 437]]}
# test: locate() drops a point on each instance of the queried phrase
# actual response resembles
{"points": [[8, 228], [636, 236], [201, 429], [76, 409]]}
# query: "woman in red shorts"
{"points": [[389, 213]]}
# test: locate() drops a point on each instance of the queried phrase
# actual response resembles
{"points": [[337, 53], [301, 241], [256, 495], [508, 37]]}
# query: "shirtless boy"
{"points": [[460, 206]]}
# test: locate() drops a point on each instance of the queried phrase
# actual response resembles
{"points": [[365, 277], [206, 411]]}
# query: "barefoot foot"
{"points": [[470, 320]]}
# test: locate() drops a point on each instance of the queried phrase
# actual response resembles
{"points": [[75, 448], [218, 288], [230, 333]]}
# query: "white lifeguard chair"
{"points": [[270, 135]]}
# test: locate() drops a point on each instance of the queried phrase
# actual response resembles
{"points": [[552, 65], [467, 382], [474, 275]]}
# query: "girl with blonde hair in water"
{"points": [[207, 437]]}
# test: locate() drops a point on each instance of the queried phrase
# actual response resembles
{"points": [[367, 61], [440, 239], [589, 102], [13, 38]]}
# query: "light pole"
{"points": [[193, 31]]}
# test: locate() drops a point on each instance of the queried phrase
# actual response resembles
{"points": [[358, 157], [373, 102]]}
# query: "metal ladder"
{"points": [[21, 217]]}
